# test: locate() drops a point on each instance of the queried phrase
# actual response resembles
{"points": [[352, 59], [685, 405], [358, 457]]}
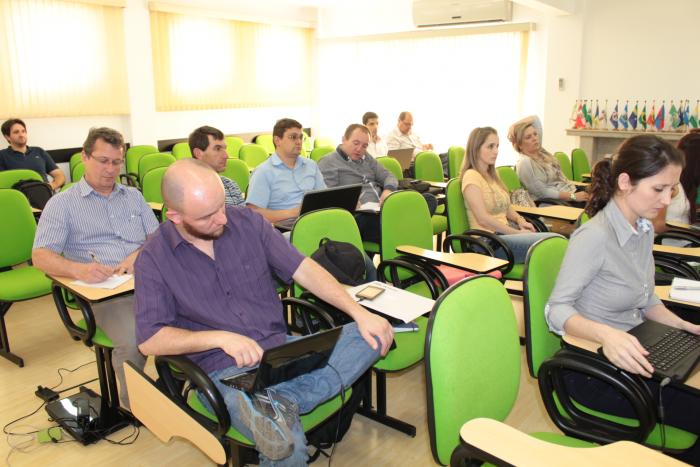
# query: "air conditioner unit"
{"points": [[428, 13]]}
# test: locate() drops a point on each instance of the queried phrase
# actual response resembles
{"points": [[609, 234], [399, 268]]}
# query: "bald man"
{"points": [[205, 287]]}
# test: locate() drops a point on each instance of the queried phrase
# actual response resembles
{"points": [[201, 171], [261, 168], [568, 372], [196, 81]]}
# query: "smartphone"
{"points": [[370, 292]]}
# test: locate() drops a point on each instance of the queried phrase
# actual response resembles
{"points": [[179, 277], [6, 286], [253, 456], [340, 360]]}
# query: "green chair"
{"points": [[181, 151], [455, 156], [67, 185], [23, 283], [320, 142], [77, 172], [233, 145], [74, 160], [134, 155], [565, 164], [429, 168], [237, 170], [266, 142], [253, 155], [509, 177], [318, 153], [472, 363], [151, 185], [392, 165], [548, 363], [305, 144], [153, 161], [9, 177], [579, 164]]}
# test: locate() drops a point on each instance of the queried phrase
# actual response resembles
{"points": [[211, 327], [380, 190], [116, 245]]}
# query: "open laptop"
{"points": [[343, 197], [672, 352], [287, 361], [404, 156]]}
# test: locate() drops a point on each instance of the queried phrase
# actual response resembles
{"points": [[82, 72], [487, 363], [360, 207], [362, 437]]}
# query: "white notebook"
{"points": [[395, 302], [685, 290], [110, 283]]}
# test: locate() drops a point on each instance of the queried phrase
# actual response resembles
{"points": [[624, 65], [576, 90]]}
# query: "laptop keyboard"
{"points": [[672, 347]]}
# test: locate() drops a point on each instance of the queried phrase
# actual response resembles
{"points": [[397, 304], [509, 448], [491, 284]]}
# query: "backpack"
{"points": [[38, 193], [415, 185], [342, 260]]}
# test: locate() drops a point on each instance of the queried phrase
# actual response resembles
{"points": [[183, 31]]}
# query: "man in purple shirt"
{"points": [[205, 287]]}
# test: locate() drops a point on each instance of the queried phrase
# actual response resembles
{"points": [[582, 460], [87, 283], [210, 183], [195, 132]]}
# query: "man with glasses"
{"points": [[278, 184], [93, 230]]}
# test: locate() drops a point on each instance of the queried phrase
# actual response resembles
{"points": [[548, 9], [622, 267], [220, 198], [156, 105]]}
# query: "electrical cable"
{"points": [[340, 412]]}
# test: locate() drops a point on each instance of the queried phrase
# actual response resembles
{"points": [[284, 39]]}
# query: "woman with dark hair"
{"points": [[606, 282]]}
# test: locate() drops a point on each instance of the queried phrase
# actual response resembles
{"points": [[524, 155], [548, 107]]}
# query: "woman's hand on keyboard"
{"points": [[625, 352]]}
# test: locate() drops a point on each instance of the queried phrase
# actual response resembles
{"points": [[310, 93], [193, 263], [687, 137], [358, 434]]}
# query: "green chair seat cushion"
{"points": [[100, 338], [411, 346], [23, 284], [517, 272], [439, 224], [308, 421]]}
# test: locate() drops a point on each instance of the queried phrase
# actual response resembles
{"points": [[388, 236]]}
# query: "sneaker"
{"points": [[270, 418]]}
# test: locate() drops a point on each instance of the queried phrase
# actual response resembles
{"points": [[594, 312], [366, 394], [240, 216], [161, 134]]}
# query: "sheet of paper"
{"points": [[370, 206], [111, 283], [685, 290], [394, 302]]}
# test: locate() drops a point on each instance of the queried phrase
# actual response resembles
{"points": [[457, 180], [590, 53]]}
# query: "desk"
{"points": [[680, 225], [442, 185], [510, 446], [36, 211], [688, 253], [565, 213], [662, 291], [155, 206], [583, 184], [92, 294], [472, 262]]}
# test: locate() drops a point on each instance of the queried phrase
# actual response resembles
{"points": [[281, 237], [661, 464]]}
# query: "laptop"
{"points": [[672, 352], [287, 361], [404, 156], [343, 197]]}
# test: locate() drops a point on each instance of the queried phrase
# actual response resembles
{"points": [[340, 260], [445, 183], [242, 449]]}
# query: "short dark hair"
{"points": [[8, 124], [108, 135], [199, 138], [283, 125], [353, 127], [690, 177], [368, 116], [403, 115]]}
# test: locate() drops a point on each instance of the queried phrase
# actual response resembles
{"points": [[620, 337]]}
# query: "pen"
{"points": [[686, 287], [93, 256]]}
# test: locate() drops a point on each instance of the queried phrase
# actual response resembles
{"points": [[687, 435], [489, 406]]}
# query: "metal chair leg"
{"points": [[4, 339]]}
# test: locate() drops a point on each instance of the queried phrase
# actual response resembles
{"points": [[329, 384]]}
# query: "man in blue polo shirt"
{"points": [[278, 184], [20, 156]]}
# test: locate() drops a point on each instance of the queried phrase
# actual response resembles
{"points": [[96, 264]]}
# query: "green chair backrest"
{"points": [[233, 145], [541, 268], [429, 167], [565, 164], [509, 178], [19, 226], [253, 155], [151, 185], [75, 159], [181, 151], [457, 220], [10, 177], [266, 142], [134, 154], [305, 144], [67, 185], [455, 156], [579, 164], [318, 153], [318, 142], [472, 360], [78, 171], [405, 220], [392, 165], [237, 170], [153, 161]]}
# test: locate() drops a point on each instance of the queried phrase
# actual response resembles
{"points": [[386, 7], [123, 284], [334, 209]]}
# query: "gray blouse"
{"points": [[542, 180], [607, 274]]}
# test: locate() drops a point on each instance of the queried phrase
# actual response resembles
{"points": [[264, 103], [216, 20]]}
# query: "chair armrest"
{"points": [[675, 267], [166, 365], [75, 332], [489, 246], [313, 316], [573, 421], [423, 272], [129, 179], [678, 235], [535, 220]]}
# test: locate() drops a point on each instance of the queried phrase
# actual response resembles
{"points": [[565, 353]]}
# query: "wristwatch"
{"points": [[572, 196]]}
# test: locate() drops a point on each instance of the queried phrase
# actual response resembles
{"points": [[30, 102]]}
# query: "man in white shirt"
{"points": [[377, 147], [402, 137]]}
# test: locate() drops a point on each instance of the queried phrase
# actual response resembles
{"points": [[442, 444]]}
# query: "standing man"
{"points": [[278, 184], [20, 156], [205, 287], [208, 145], [93, 230], [377, 147]]}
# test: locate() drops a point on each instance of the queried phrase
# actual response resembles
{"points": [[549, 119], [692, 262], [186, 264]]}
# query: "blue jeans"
{"points": [[351, 357], [520, 243]]}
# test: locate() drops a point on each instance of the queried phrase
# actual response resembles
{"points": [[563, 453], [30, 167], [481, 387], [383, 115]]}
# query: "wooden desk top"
{"points": [[438, 184], [662, 291], [36, 210], [692, 382], [565, 213], [472, 262], [514, 286], [580, 183], [92, 294], [678, 225], [155, 206], [691, 253], [517, 448]]}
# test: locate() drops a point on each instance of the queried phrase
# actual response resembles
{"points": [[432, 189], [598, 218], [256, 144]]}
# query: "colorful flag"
{"points": [[693, 119], [587, 115], [603, 120], [643, 117], [596, 116], [674, 120], [572, 118], [650, 118], [614, 116], [633, 116], [683, 116], [580, 123], [660, 117], [624, 118]]}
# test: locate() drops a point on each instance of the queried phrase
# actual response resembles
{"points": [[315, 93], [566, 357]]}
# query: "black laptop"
{"points": [[343, 197], [287, 361], [672, 352]]}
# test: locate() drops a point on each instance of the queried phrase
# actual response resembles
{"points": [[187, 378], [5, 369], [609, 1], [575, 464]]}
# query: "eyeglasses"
{"points": [[295, 137], [107, 161]]}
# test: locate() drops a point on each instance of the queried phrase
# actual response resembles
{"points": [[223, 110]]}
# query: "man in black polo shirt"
{"points": [[20, 156]]}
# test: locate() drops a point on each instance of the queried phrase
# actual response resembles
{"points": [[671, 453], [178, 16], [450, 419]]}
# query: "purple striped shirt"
{"points": [[179, 286]]}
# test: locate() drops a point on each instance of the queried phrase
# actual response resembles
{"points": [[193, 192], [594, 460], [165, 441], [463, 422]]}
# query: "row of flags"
{"points": [[677, 118]]}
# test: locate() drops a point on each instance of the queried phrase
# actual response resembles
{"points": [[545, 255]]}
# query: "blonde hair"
{"points": [[516, 132], [477, 138]]}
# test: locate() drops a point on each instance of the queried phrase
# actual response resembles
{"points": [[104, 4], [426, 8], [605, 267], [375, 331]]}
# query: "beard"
{"points": [[190, 229]]}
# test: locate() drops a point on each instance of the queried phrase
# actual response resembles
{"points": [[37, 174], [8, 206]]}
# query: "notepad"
{"points": [[111, 283], [397, 303], [371, 206], [685, 290]]}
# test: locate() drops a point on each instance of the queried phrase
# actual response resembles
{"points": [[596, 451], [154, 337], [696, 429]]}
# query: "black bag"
{"points": [[38, 193], [415, 185], [342, 260]]}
